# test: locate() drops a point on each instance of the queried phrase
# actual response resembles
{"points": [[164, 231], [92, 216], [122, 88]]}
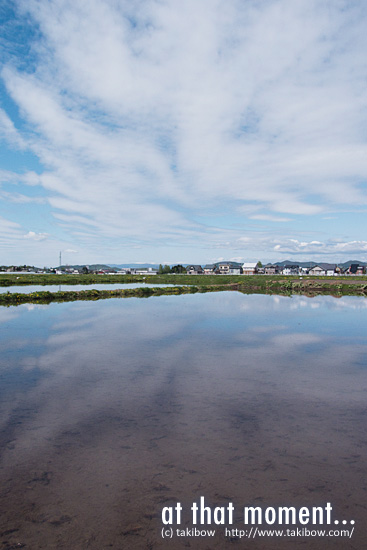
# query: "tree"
{"points": [[164, 269], [178, 269]]}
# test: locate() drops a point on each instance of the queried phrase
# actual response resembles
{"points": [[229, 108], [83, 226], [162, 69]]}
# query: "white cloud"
{"points": [[267, 217], [36, 236], [20, 198], [8, 227], [9, 132], [147, 114], [294, 246]]}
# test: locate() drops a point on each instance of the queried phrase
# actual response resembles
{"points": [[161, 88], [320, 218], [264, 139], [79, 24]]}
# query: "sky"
{"points": [[159, 131]]}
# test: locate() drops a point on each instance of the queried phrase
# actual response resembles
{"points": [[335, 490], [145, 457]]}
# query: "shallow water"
{"points": [[113, 410], [26, 289]]}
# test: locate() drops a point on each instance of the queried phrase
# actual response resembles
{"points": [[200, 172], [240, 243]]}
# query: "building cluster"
{"points": [[252, 268], [218, 268]]}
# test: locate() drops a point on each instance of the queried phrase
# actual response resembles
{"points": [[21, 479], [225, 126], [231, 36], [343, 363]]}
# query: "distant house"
{"points": [[229, 268], [355, 269], [137, 271], [290, 269], [146, 271], [209, 269], [270, 269], [109, 271], [194, 270], [223, 268], [250, 268], [323, 270], [317, 270]]}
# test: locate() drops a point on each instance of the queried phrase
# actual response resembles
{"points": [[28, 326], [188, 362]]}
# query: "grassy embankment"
{"points": [[259, 284]]}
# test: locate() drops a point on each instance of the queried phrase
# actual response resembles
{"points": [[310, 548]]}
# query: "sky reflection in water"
{"points": [[27, 289], [111, 409]]}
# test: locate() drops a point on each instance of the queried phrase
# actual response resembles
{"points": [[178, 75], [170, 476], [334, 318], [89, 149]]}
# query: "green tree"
{"points": [[164, 269], [178, 269]]}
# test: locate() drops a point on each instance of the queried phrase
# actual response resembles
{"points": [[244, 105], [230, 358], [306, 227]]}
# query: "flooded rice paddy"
{"points": [[113, 410]]}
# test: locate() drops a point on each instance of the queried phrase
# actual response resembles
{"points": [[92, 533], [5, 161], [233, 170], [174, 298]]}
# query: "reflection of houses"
{"points": [[194, 270], [250, 268]]}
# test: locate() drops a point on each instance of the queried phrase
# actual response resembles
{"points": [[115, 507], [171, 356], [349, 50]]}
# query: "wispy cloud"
{"points": [[320, 248], [147, 116], [267, 217], [20, 198], [71, 251], [9, 133], [36, 236]]}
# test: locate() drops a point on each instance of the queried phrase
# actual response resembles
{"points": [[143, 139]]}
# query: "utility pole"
{"points": [[60, 259]]}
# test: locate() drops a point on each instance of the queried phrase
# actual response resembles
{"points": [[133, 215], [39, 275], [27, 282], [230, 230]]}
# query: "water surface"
{"points": [[27, 289], [111, 410]]}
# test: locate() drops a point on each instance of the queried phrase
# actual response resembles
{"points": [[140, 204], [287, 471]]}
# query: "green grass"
{"points": [[9, 279]]}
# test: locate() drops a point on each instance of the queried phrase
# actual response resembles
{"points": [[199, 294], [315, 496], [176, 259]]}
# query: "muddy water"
{"points": [[112, 410]]}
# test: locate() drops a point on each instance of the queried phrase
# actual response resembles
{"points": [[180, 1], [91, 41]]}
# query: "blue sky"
{"points": [[163, 131]]}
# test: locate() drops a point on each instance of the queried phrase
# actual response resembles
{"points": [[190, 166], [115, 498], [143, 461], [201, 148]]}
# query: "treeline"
{"points": [[163, 269]]}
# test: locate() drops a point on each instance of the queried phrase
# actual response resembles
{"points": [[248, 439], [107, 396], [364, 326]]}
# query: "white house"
{"points": [[323, 269], [290, 269], [249, 268], [229, 268]]}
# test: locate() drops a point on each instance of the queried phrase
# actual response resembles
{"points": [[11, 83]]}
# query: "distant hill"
{"points": [[350, 262], [94, 267], [295, 262], [311, 264], [153, 266]]}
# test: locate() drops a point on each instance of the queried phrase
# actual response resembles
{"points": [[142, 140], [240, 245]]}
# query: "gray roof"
{"points": [[231, 264], [326, 267]]}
